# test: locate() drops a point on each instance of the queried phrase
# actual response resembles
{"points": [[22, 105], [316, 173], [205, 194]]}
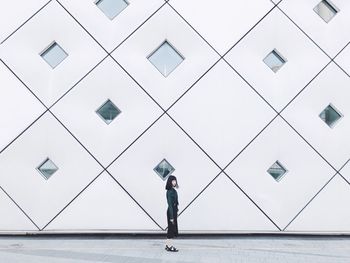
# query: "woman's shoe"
{"points": [[172, 249]]}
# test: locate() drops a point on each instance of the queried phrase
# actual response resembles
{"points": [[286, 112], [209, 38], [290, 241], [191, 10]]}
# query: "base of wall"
{"points": [[160, 233]]}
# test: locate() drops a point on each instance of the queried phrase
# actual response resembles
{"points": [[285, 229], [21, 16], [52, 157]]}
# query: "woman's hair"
{"points": [[169, 185]]}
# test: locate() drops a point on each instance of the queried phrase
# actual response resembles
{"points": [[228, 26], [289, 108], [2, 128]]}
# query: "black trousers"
{"points": [[172, 228]]}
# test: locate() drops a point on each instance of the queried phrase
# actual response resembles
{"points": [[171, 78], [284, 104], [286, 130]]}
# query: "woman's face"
{"points": [[173, 182]]}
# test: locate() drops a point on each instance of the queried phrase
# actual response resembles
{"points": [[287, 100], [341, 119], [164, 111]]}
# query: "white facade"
{"points": [[242, 87]]}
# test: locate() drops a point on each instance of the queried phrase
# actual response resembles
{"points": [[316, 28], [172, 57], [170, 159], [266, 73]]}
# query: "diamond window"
{"points": [[108, 111], [165, 58], [274, 60], [54, 55], [330, 115], [111, 8], [47, 168], [326, 10], [164, 168], [277, 171]]}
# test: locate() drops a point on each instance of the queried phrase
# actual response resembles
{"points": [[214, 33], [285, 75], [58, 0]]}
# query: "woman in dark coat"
{"points": [[172, 200]]}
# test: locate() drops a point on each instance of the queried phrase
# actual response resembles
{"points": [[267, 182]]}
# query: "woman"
{"points": [[171, 196]]}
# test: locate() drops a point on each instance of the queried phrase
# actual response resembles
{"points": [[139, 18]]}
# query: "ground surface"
{"points": [[130, 249]]}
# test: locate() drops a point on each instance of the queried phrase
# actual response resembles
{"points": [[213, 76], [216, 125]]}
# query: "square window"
{"points": [[108, 111], [277, 171], [274, 60], [54, 55], [111, 8], [163, 169], [326, 10], [47, 168], [330, 115], [165, 58]]}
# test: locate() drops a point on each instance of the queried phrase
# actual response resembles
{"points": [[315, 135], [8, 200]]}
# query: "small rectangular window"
{"points": [[277, 171], [164, 168], [165, 58], [111, 8], [274, 60], [54, 55], [326, 10], [330, 115], [108, 111], [47, 168]]}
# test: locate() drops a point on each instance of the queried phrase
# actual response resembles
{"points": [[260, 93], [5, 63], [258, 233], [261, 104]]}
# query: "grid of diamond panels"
{"points": [[102, 100]]}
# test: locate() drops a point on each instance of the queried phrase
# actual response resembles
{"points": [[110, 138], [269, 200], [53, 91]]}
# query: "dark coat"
{"points": [[172, 199], [173, 203]]}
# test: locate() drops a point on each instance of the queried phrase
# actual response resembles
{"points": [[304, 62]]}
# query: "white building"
{"points": [[247, 103]]}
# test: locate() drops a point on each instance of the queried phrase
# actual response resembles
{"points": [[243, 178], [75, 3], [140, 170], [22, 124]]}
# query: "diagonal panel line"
{"points": [[340, 172], [246, 81], [22, 132], [48, 109], [17, 77], [86, 187], [298, 94], [104, 168], [251, 29], [261, 210], [76, 139], [74, 85], [195, 142], [25, 22], [247, 145], [277, 2], [236, 41], [221, 169], [332, 59], [81, 25], [337, 173], [212, 180], [314, 42], [78, 82], [155, 121], [91, 35], [224, 174], [20, 208], [137, 28], [139, 85], [144, 210], [81, 191], [309, 144]]}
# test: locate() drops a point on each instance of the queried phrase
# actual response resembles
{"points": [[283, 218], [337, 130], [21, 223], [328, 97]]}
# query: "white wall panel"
{"points": [[303, 114], [222, 24], [42, 199], [13, 14], [12, 218], [307, 172], [53, 23], [223, 207], [134, 169], [304, 59], [222, 113], [165, 25], [210, 113], [345, 171], [110, 33], [328, 212], [103, 206], [18, 107], [107, 81], [343, 59], [331, 36]]}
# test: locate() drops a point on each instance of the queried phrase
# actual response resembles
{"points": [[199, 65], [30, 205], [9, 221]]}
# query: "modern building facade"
{"points": [[247, 103]]}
